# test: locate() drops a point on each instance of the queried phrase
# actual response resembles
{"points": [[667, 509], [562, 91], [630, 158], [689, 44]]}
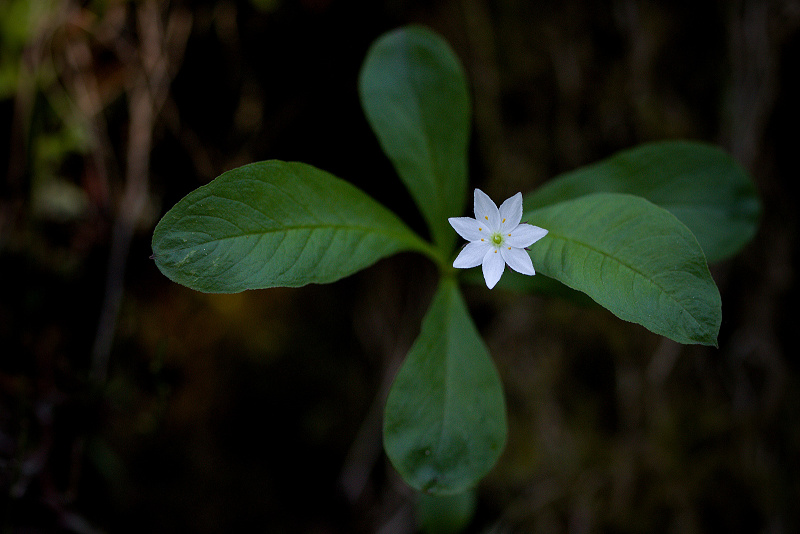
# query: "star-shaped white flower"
{"points": [[496, 237]]}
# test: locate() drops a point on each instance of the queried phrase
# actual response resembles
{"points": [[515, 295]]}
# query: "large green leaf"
{"points": [[414, 93], [700, 184], [272, 224], [634, 258], [445, 423]]}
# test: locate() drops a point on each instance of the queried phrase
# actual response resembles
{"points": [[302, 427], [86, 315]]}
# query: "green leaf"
{"points": [[634, 258], [700, 184], [445, 423], [272, 224], [414, 93], [445, 514]]}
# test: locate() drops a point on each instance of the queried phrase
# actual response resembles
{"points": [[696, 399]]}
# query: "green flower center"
{"points": [[497, 239]]}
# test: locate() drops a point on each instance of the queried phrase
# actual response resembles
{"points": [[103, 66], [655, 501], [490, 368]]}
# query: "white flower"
{"points": [[496, 237]]}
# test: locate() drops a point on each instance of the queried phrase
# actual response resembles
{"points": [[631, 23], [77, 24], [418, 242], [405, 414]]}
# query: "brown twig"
{"points": [[148, 89]]}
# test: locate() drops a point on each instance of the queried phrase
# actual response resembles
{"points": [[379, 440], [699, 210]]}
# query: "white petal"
{"points": [[472, 255], [486, 211], [510, 213], [493, 266], [525, 235], [518, 259], [469, 228]]}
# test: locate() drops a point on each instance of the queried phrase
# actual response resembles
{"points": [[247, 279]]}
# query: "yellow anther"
{"points": [[486, 217]]}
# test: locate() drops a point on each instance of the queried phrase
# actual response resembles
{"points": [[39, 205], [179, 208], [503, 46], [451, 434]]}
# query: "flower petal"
{"points": [[518, 259], [471, 255], [510, 213], [469, 228], [486, 211], [525, 235], [493, 266]]}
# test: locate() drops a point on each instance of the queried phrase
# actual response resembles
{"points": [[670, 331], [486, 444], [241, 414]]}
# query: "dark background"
{"points": [[128, 403]]}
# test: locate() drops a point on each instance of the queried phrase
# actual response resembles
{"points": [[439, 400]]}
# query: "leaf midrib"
{"points": [[286, 229]]}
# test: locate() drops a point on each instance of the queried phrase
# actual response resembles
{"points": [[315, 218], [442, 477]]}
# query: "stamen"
{"points": [[486, 217], [504, 220]]}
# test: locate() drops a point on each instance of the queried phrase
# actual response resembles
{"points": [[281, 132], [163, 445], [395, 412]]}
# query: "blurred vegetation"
{"points": [[128, 403]]}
